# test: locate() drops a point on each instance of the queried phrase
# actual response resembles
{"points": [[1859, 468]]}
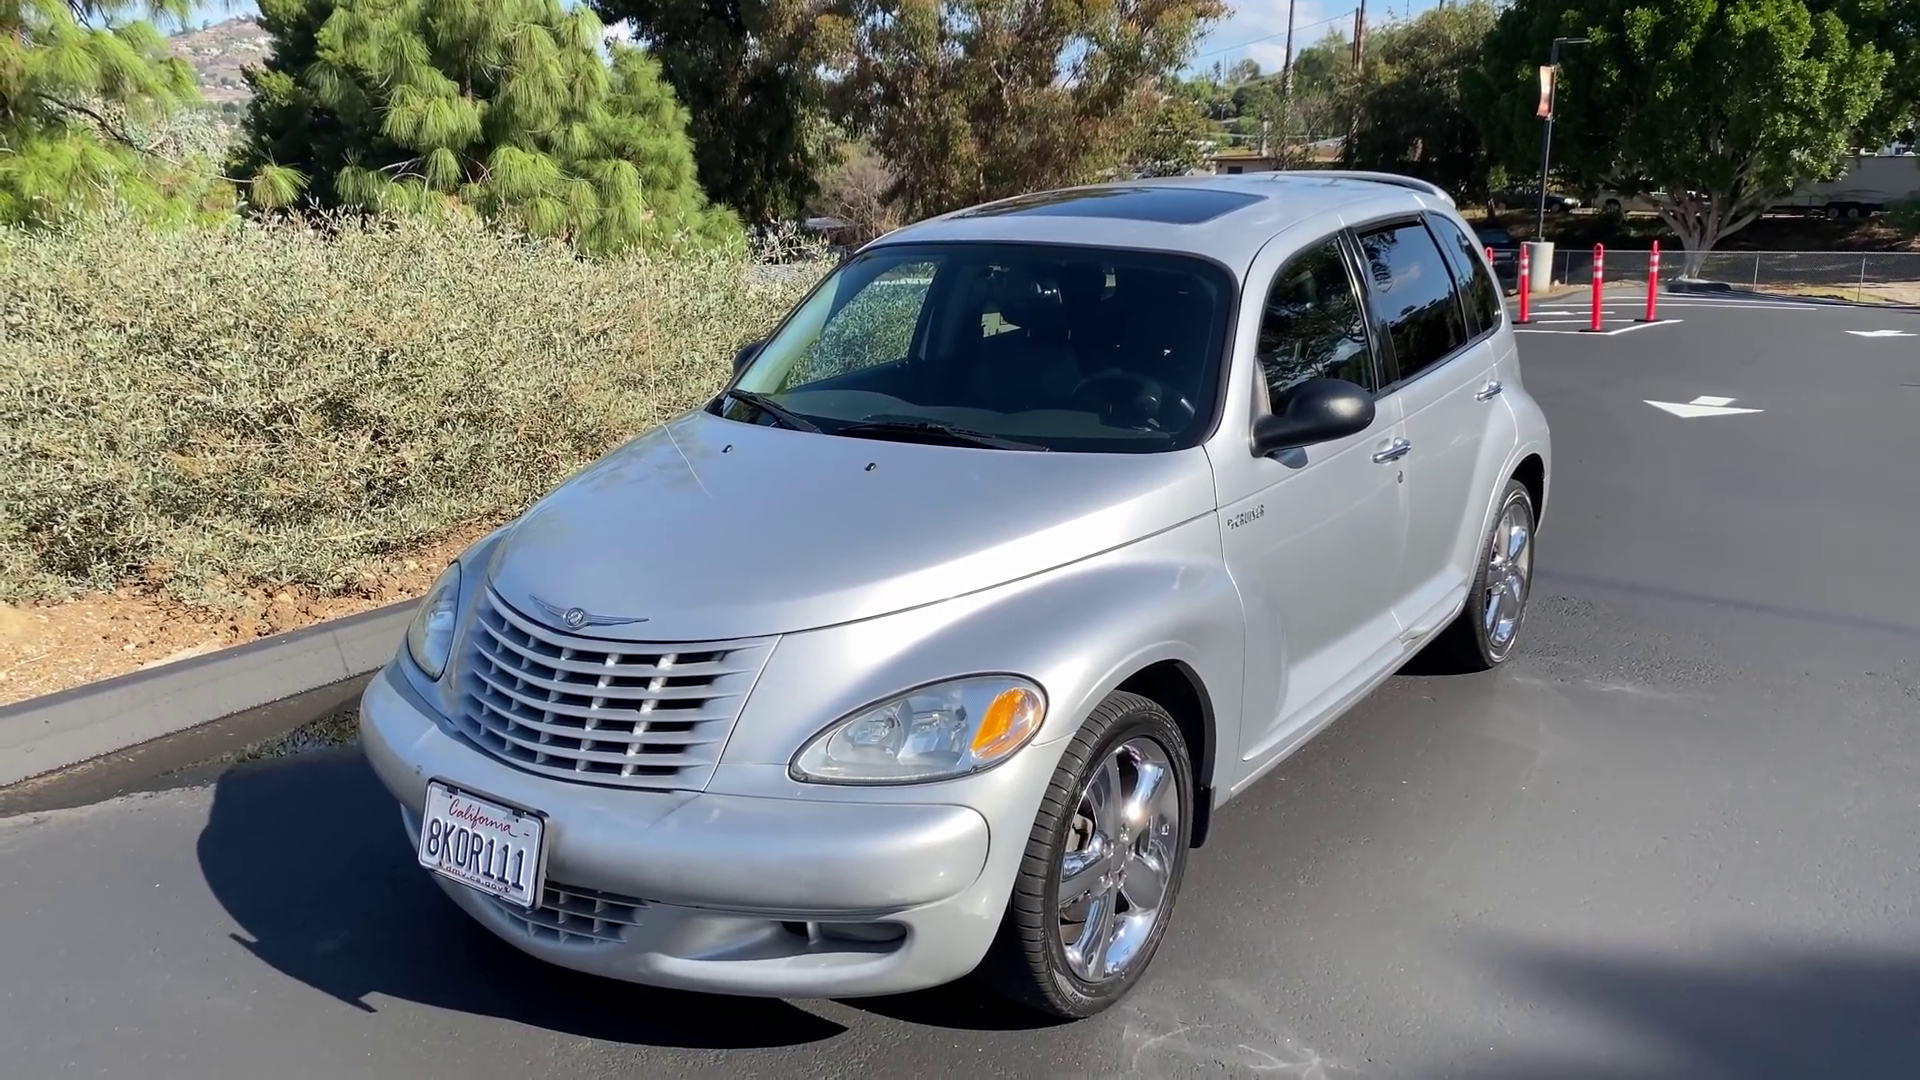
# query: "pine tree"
{"points": [[80, 85], [505, 108]]}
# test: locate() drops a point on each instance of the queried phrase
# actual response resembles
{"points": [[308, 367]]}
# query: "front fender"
{"points": [[1078, 631]]}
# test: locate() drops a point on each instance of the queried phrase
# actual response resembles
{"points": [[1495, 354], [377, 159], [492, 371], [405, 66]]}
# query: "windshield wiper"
{"points": [[935, 432], [786, 416]]}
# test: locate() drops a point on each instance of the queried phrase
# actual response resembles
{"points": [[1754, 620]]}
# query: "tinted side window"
{"points": [[1314, 325], [1414, 294], [1470, 273]]}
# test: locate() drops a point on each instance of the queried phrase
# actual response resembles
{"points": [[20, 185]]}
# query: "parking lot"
{"points": [[1678, 836]]}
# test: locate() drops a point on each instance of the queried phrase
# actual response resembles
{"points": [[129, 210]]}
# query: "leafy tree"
{"points": [[1411, 117], [1211, 92], [1719, 106], [745, 71], [1894, 26], [1178, 137], [972, 100], [83, 90], [1317, 105], [858, 192], [503, 108]]}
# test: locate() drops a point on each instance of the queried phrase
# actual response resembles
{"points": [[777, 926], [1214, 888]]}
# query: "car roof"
{"points": [[1225, 218]]}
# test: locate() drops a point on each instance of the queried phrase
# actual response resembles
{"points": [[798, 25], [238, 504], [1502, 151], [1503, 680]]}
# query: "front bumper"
{"points": [[722, 893]]}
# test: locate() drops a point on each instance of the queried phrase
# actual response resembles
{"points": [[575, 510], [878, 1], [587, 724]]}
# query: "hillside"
{"points": [[219, 53]]}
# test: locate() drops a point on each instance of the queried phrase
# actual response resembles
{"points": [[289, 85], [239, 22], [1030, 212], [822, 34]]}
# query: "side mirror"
{"points": [[745, 356], [1317, 411]]}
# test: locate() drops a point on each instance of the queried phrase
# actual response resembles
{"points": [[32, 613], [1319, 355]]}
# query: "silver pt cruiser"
{"points": [[1031, 537]]}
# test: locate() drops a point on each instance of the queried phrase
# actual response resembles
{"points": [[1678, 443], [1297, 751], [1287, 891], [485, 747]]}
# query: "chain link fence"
{"points": [[1861, 277]]}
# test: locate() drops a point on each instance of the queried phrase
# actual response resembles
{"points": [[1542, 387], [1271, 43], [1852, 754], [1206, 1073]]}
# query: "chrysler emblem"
{"points": [[576, 618]]}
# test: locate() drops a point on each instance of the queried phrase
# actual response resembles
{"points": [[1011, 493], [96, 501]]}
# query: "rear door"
{"points": [[1441, 341]]}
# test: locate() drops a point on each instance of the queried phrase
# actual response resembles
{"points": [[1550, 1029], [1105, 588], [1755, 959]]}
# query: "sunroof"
{"points": [[1170, 205]]}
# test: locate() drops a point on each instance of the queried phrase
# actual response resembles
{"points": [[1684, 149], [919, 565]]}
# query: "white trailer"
{"points": [[1870, 184]]}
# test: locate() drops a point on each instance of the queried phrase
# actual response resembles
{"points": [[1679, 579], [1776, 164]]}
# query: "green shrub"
{"points": [[213, 410], [1905, 216]]}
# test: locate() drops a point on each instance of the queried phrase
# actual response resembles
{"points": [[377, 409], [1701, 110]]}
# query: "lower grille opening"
{"points": [[861, 933], [569, 913]]}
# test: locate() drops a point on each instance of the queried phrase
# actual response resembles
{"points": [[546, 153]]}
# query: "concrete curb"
{"points": [[41, 735]]}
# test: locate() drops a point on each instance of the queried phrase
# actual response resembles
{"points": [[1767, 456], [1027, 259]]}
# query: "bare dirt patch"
{"points": [[52, 647], [1899, 295]]}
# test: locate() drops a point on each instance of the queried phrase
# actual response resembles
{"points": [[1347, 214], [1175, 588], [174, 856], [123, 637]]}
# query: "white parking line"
{"points": [[1529, 328]]}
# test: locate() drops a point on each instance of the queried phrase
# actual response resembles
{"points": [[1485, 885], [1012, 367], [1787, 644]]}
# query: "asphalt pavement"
{"points": [[1678, 836]]}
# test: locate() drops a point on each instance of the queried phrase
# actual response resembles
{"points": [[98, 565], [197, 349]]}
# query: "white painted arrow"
{"points": [[1704, 405], [1880, 333]]}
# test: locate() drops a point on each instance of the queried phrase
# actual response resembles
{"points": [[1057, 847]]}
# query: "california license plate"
{"points": [[483, 845]]}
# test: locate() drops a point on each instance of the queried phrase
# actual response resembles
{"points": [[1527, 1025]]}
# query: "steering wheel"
{"points": [[1132, 398]]}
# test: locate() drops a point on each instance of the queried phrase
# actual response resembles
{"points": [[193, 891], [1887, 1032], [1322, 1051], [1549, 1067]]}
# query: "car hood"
{"points": [[710, 529]]}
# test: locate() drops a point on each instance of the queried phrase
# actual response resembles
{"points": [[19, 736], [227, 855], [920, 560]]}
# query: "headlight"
{"points": [[937, 732], [430, 635]]}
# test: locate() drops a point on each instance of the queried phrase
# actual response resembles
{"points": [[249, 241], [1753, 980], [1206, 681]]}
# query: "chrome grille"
{"points": [[569, 913], [634, 714]]}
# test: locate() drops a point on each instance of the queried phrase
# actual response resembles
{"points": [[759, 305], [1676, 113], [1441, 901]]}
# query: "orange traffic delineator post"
{"points": [[1599, 279], [1653, 285], [1526, 286]]}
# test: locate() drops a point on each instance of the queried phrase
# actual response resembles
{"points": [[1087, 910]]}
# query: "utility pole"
{"points": [[1360, 35], [1286, 66], [1359, 55]]}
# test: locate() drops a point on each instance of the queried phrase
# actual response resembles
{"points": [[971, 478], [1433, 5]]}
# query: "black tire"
{"points": [[1466, 646], [1027, 963]]}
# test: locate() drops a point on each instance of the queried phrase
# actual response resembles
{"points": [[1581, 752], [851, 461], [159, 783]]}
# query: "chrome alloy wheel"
{"points": [[1509, 575], [1122, 842]]}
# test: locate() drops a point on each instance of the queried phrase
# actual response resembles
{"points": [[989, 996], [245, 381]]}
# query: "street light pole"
{"points": [[1546, 142]]}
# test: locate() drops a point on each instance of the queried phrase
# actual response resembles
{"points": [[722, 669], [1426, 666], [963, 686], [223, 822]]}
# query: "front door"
{"points": [[1443, 365], [1313, 537]]}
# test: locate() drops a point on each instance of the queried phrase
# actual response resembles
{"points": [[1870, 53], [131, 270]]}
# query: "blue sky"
{"points": [[1256, 28]]}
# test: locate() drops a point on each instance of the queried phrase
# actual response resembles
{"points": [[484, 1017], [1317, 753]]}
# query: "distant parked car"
{"points": [[930, 644], [1617, 202], [1506, 254], [1529, 199]]}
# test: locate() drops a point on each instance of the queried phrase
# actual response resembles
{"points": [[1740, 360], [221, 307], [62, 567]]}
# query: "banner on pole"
{"points": [[1545, 110]]}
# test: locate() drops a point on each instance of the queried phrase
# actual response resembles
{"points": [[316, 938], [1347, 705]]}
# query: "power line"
{"points": [[1269, 37]]}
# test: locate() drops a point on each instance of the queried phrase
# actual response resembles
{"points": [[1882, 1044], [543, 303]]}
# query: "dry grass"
{"points": [[209, 412]]}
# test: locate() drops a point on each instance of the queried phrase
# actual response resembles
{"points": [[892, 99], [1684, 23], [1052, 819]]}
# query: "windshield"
{"points": [[1000, 346], [1495, 237]]}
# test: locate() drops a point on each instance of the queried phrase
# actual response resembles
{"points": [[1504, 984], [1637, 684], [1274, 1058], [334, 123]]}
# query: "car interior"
{"points": [[1078, 347]]}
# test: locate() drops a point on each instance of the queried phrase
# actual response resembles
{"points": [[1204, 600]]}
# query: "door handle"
{"points": [[1400, 448], [1489, 392]]}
